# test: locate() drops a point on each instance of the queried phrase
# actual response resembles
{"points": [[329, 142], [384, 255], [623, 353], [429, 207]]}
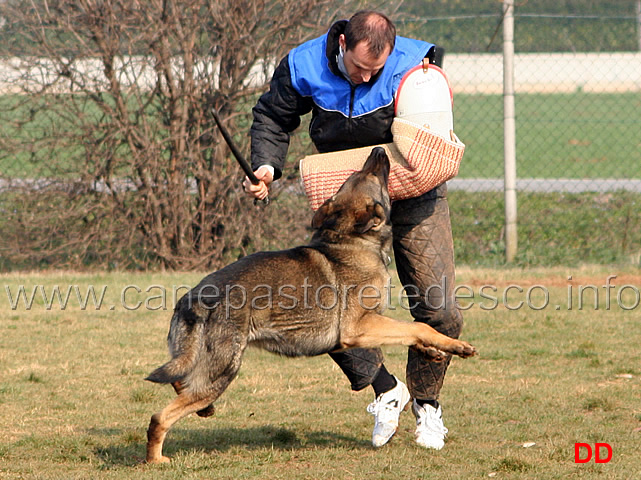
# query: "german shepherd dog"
{"points": [[309, 300]]}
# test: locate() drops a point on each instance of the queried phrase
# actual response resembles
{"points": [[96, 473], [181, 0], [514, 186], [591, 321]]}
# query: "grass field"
{"points": [[74, 403], [579, 135]]}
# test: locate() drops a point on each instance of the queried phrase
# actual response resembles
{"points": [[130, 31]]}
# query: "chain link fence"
{"points": [[578, 132]]}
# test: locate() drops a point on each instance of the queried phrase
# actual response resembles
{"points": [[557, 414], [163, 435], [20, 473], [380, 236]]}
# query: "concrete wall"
{"points": [[540, 72], [546, 72]]}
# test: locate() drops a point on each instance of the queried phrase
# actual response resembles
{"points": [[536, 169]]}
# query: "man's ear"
{"points": [[373, 218]]}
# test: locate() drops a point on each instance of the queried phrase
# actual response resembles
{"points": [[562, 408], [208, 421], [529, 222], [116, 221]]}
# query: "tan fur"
{"points": [[343, 267]]}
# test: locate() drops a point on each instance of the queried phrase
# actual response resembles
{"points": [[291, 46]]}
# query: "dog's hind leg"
{"points": [[190, 401], [185, 404], [208, 411], [162, 421], [205, 412]]}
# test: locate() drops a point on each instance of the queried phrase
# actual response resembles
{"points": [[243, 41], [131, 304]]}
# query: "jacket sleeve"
{"points": [[276, 114]]}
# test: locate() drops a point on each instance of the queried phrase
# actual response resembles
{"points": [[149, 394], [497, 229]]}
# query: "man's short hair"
{"points": [[371, 27]]}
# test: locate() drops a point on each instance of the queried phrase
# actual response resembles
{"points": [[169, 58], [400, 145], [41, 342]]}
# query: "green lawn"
{"points": [[75, 405], [580, 135]]}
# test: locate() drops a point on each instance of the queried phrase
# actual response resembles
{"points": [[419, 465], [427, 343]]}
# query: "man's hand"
{"points": [[260, 191]]}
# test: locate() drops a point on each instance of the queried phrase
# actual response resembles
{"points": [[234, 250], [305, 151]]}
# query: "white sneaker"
{"points": [[386, 410], [430, 431]]}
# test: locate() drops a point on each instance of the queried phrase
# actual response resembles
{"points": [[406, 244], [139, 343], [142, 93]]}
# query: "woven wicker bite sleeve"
{"points": [[420, 161]]}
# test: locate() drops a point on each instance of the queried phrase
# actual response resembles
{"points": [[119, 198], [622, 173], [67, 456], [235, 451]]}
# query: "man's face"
{"points": [[361, 66]]}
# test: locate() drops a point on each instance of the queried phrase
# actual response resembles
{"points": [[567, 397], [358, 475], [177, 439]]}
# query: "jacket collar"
{"points": [[331, 50]]}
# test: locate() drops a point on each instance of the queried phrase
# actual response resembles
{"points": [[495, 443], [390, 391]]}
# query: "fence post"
{"points": [[509, 132], [639, 22]]}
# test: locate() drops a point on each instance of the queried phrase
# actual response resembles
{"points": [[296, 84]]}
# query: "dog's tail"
{"points": [[173, 371], [185, 344]]}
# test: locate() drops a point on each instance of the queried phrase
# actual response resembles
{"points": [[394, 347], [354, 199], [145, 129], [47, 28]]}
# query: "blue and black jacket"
{"points": [[343, 115]]}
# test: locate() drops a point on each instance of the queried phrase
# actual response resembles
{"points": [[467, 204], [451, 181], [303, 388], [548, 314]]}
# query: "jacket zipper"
{"points": [[352, 94]]}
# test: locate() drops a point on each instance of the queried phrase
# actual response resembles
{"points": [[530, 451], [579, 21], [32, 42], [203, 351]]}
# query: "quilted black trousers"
{"points": [[424, 256]]}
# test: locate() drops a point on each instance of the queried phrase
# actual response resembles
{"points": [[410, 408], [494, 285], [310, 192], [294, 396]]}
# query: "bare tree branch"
{"points": [[115, 99]]}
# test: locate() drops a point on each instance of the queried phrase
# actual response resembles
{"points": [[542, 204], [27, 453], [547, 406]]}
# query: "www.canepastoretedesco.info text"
{"points": [[606, 296]]}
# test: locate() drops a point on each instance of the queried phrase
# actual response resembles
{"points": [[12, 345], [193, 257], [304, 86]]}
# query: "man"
{"points": [[347, 79]]}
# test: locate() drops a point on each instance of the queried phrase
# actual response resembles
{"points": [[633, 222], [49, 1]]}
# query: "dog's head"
{"points": [[362, 204]]}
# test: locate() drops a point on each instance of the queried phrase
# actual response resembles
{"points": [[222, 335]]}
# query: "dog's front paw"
{"points": [[463, 349], [432, 354]]}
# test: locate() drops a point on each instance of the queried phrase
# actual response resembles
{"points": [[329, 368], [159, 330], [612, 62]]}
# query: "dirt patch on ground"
{"points": [[550, 278]]}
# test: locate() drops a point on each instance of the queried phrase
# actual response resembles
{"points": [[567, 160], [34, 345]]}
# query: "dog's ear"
{"points": [[373, 218], [323, 213]]}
